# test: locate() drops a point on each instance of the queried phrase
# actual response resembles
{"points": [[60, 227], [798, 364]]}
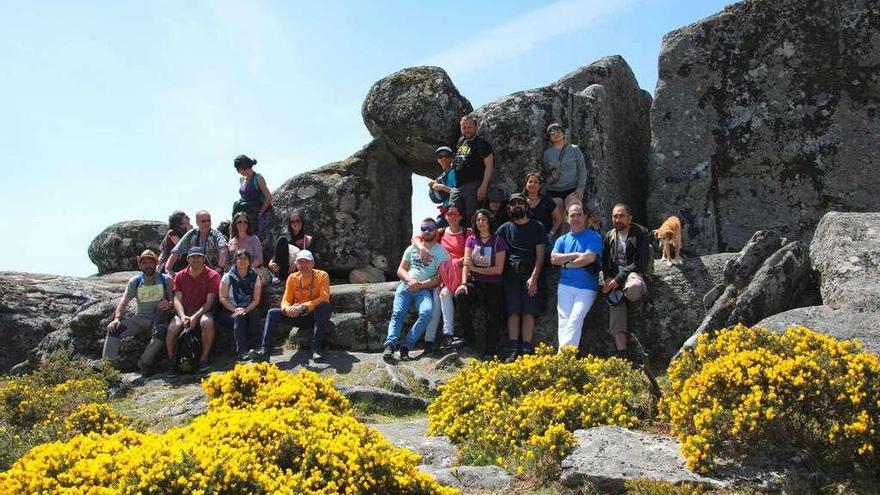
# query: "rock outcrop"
{"points": [[416, 110], [606, 115], [838, 323], [116, 248], [358, 209], [846, 253], [608, 456], [766, 117], [766, 277], [42, 313]]}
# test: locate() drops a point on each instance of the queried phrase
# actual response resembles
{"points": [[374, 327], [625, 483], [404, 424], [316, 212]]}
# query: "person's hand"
{"points": [[273, 267], [610, 285], [579, 194], [414, 286], [289, 311], [431, 183], [187, 321], [462, 289], [481, 193], [532, 285], [113, 325], [165, 305], [459, 262], [444, 292], [239, 312], [425, 255]]}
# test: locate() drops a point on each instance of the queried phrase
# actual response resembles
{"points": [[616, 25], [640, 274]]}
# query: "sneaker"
{"points": [[204, 366], [264, 354], [404, 354], [317, 356], [244, 356], [456, 343], [430, 348], [388, 354]]}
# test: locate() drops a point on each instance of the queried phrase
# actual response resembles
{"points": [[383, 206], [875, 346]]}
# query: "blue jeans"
{"points": [[422, 299], [242, 327], [319, 319]]}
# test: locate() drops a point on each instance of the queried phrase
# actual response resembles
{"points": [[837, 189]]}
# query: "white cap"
{"points": [[305, 254]]}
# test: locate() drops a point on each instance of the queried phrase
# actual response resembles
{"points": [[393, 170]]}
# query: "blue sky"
{"points": [[127, 110]]}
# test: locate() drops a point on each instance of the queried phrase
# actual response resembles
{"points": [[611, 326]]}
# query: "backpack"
{"points": [[189, 350]]}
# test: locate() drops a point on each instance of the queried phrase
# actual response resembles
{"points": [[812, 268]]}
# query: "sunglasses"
{"points": [[453, 214], [241, 221], [296, 220], [428, 228]]}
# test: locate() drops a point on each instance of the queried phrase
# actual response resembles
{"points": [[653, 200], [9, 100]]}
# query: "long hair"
{"points": [[233, 230], [175, 220], [486, 213], [302, 229], [529, 175]]}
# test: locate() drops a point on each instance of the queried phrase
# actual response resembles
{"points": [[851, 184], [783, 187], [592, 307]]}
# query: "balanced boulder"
{"points": [[116, 248]]}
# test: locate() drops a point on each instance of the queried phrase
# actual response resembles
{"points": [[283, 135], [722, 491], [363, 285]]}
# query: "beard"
{"points": [[149, 271], [518, 213]]}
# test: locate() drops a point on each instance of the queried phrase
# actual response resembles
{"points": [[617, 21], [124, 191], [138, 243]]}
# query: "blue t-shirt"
{"points": [[420, 270], [585, 277]]}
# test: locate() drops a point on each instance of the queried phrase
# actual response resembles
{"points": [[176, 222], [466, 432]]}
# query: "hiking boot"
{"points": [[404, 354], [264, 354], [388, 353], [430, 347], [317, 356], [204, 366], [511, 352], [527, 349]]}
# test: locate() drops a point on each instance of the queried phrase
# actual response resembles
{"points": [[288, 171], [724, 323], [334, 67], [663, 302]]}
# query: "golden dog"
{"points": [[669, 234]]}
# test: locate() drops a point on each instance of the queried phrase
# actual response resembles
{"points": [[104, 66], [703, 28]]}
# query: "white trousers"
{"points": [[572, 305], [442, 306]]}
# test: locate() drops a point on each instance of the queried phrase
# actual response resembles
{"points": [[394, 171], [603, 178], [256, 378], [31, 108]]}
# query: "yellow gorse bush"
{"points": [[749, 388], [297, 438], [521, 415]]}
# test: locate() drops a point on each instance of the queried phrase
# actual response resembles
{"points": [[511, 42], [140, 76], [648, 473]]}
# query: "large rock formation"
{"points": [[766, 277], [68, 311], [116, 248], [358, 210], [417, 110], [605, 113], [846, 253], [765, 117]]}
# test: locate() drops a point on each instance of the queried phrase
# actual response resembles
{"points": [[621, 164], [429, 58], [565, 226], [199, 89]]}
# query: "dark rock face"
{"points": [[763, 279], [846, 252], [417, 110], [42, 313], [838, 323], [117, 247], [358, 209], [605, 113], [766, 117]]}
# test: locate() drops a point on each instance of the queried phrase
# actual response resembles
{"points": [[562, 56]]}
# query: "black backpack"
{"points": [[189, 350]]}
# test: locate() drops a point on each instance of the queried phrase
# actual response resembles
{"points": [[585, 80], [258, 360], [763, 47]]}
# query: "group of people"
{"points": [[202, 278], [484, 249], [491, 250]]}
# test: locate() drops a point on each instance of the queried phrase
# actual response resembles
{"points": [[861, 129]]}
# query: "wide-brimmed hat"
{"points": [[147, 254]]}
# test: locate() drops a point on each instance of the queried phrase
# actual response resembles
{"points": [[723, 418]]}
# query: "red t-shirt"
{"points": [[454, 243], [195, 290]]}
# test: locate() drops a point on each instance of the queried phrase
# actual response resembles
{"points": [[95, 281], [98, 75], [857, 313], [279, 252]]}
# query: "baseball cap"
{"points": [[196, 251], [305, 254], [517, 197]]}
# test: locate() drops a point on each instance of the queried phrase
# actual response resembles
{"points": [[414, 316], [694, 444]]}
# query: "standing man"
{"points": [[441, 189], [211, 241], [306, 303], [579, 253], [418, 275], [625, 266], [153, 293], [195, 290], [474, 163], [525, 240]]}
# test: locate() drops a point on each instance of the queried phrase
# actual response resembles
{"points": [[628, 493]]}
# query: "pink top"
{"points": [[454, 243], [250, 244]]}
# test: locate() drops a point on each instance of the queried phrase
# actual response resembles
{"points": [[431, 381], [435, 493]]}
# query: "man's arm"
{"points": [[209, 303], [489, 163], [539, 260], [178, 304]]}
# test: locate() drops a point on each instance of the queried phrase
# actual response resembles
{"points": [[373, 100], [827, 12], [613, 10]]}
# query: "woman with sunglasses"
{"points": [[283, 263], [241, 237], [452, 238], [565, 169]]}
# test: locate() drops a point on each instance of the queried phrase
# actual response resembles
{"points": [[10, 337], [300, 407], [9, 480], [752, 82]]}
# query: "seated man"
{"points": [[211, 241], [418, 275], [195, 290], [152, 290], [306, 303]]}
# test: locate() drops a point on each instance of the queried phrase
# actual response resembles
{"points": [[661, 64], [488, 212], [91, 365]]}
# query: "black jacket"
{"points": [[637, 254]]}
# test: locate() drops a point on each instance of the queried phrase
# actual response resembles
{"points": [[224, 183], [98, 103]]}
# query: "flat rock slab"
{"points": [[473, 477], [381, 398], [437, 452], [838, 323], [608, 456]]}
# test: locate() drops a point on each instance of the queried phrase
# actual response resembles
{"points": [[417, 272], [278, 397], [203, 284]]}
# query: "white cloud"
{"points": [[525, 32]]}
